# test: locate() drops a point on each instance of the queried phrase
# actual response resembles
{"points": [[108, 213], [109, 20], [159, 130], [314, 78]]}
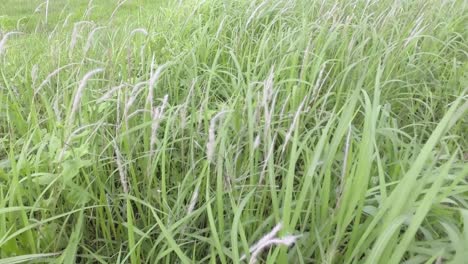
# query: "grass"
{"points": [[234, 132]]}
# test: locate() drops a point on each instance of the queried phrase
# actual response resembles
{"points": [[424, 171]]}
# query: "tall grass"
{"points": [[236, 132]]}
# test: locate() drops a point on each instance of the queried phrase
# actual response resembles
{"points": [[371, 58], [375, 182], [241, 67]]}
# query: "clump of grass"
{"points": [[184, 132]]}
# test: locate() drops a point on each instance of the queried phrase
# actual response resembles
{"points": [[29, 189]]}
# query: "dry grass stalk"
{"points": [[52, 74], [211, 145], [194, 199], [79, 94], [117, 8], [89, 8], [34, 74], [4, 40], [155, 74], [120, 167], [269, 240], [293, 124], [183, 111], [109, 94], [133, 95], [90, 39], [139, 30], [344, 168], [75, 35], [157, 115]]}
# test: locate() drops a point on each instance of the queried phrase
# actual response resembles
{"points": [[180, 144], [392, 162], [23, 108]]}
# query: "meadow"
{"points": [[216, 131]]}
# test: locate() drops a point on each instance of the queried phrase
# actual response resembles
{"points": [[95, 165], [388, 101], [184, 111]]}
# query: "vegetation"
{"points": [[233, 131]]}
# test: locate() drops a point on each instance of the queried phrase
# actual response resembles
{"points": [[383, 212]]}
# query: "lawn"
{"points": [[214, 131]]}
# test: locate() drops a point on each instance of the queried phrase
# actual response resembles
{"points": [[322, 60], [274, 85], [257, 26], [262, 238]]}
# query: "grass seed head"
{"points": [[211, 145], [269, 240], [157, 115], [4, 40], [120, 167], [79, 94], [90, 39]]}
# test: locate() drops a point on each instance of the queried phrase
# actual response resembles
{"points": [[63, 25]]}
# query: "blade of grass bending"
{"points": [[397, 199]]}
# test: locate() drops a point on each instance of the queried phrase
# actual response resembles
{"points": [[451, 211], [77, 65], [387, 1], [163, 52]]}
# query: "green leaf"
{"points": [[26, 258], [71, 168]]}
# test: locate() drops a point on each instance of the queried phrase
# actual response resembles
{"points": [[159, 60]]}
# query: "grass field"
{"points": [[204, 131]]}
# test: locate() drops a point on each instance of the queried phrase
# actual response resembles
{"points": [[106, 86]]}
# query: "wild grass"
{"points": [[234, 132]]}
